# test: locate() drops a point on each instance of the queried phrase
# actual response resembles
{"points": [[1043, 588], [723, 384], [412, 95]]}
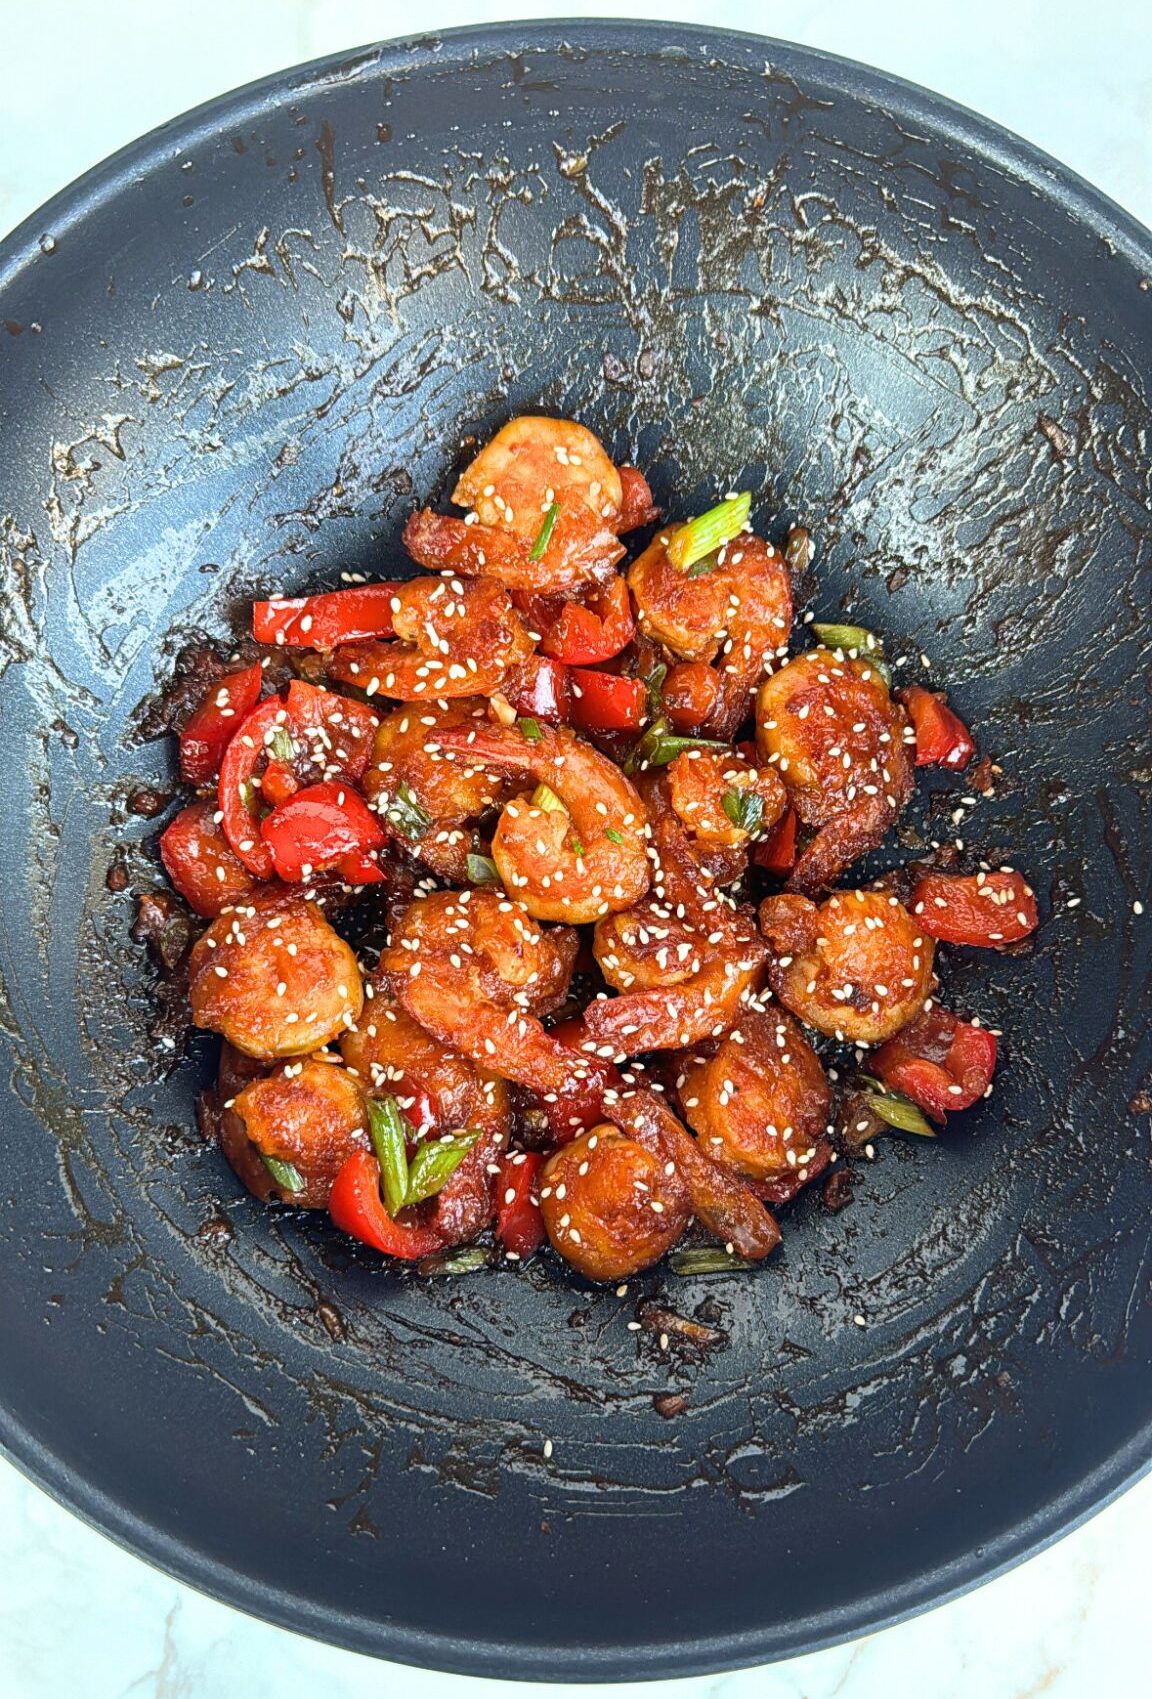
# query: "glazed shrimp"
{"points": [[737, 614], [476, 972], [858, 967], [610, 1206], [455, 639], [682, 960], [308, 1117], [274, 978], [758, 1102], [724, 804], [840, 744], [546, 506], [575, 850], [426, 797]]}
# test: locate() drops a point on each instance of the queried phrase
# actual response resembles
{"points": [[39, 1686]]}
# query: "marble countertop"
{"points": [[79, 1616]]}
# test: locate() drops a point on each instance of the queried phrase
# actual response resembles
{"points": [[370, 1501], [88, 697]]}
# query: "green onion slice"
{"points": [[708, 1261], [435, 1163], [745, 809], [653, 683], [856, 640], [456, 1262], [284, 1173], [406, 814], [544, 797], [531, 729], [544, 535], [280, 744], [611, 832], [482, 870], [900, 1112], [709, 531], [390, 1133]]}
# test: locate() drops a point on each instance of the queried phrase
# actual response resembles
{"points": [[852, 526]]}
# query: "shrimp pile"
{"points": [[517, 888]]}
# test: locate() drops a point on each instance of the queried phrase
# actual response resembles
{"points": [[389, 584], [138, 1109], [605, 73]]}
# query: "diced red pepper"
{"points": [[942, 738], [277, 783], [689, 694], [989, 909], [776, 852], [541, 690], [315, 829], [358, 867], [238, 791], [584, 636], [581, 1105], [356, 1207], [349, 726], [519, 1223], [321, 622], [606, 702], [940, 1062], [636, 505], [200, 863], [212, 725]]}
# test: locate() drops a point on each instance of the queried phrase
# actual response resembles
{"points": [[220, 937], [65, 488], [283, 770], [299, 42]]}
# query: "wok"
{"points": [[233, 358]]}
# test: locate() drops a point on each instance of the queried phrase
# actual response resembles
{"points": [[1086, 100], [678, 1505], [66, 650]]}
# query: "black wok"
{"points": [[234, 357]]}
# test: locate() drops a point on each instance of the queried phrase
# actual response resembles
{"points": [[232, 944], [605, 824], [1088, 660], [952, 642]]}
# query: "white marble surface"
{"points": [[78, 1617]]}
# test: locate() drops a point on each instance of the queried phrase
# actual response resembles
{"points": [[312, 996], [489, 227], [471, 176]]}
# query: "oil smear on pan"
{"points": [[781, 307]]}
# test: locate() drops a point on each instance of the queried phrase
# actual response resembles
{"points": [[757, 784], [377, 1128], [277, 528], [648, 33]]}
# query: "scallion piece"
{"points": [[745, 809], [456, 1262], [286, 1176], [390, 1132], [482, 870], [653, 683], [708, 1261], [544, 797], [709, 531], [280, 744], [406, 814], [900, 1112], [435, 1163], [531, 729], [613, 834], [858, 641], [544, 535]]}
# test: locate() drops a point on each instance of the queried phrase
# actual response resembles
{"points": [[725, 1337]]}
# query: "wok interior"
{"points": [[740, 279]]}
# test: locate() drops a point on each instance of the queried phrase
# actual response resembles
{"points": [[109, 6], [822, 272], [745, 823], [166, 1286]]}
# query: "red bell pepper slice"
{"points": [[989, 909], [940, 1062], [584, 636], [239, 793], [359, 867], [689, 694], [776, 852], [321, 622], [213, 724], [200, 863], [356, 1207], [541, 691], [606, 702], [519, 1223], [942, 738], [315, 829]]}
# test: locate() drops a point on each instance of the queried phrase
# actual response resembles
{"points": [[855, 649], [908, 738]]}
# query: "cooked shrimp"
{"points": [[575, 850], [737, 613], [455, 639], [610, 1207], [759, 1103], [427, 798], [720, 1200], [839, 741], [274, 978], [309, 1115], [682, 960], [475, 971], [858, 967], [722, 800], [543, 488]]}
